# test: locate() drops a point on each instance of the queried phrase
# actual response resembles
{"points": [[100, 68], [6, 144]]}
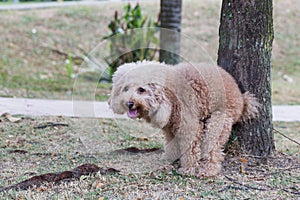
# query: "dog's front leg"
{"points": [[171, 147]]}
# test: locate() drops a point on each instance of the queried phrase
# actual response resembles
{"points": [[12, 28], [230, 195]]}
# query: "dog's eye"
{"points": [[141, 90], [126, 88]]}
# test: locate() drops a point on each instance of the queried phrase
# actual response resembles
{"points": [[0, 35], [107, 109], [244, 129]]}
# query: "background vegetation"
{"points": [[38, 45]]}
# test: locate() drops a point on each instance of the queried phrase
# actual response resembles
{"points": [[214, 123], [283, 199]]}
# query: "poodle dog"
{"points": [[195, 106]]}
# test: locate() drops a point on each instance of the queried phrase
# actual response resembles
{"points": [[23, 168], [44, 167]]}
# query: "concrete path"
{"points": [[40, 107], [43, 5]]}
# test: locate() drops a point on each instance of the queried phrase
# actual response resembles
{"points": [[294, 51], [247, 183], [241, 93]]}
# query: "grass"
{"points": [[36, 44], [98, 141]]}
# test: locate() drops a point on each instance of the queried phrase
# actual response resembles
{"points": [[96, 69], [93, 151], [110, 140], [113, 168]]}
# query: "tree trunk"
{"points": [[245, 45], [170, 17]]}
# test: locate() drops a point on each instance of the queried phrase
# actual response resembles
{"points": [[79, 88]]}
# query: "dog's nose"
{"points": [[130, 104]]}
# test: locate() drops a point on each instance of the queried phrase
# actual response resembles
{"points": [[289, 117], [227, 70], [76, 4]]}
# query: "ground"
{"points": [[37, 145], [34, 48]]}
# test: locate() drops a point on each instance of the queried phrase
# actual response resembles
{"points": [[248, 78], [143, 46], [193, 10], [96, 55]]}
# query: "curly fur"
{"points": [[195, 105]]}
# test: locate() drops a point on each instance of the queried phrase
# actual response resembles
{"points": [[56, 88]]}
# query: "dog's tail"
{"points": [[251, 107]]}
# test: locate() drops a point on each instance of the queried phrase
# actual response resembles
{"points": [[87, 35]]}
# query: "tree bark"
{"points": [[245, 45], [170, 17]]}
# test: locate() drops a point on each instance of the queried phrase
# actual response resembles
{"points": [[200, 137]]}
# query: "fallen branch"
{"points": [[56, 178]]}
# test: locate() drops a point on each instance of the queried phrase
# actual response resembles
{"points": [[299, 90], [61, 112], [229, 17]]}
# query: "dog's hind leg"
{"points": [[216, 134]]}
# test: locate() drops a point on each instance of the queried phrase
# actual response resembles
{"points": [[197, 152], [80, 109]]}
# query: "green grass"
{"points": [[29, 37]]}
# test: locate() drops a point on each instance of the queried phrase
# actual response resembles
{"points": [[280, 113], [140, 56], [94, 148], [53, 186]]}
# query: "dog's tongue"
{"points": [[132, 113]]}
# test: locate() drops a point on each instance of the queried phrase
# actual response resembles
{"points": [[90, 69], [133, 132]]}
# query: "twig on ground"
{"points": [[244, 185], [297, 193], [49, 124], [233, 187], [278, 172], [276, 131]]}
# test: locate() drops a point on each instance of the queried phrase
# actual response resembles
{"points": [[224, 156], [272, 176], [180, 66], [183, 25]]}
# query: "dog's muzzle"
{"points": [[130, 104], [132, 110]]}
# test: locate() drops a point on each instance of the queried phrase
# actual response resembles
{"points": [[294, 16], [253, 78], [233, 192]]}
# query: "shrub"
{"points": [[127, 37]]}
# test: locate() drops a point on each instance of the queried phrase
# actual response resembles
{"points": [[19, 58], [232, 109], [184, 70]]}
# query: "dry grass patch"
{"points": [[29, 148]]}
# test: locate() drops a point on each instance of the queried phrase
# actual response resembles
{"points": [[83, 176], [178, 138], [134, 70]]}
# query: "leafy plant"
{"points": [[69, 66], [128, 41]]}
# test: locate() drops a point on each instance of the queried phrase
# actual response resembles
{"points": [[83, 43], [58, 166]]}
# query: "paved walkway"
{"points": [[40, 107], [42, 5]]}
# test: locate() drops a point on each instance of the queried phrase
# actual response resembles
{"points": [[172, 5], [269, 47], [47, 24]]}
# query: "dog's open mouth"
{"points": [[133, 113]]}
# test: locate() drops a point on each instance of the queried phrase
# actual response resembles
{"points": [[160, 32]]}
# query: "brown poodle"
{"points": [[195, 105]]}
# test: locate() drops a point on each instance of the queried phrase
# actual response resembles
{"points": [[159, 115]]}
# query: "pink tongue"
{"points": [[132, 113]]}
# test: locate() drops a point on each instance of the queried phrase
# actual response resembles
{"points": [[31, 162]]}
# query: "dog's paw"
{"points": [[209, 170], [169, 157], [192, 171]]}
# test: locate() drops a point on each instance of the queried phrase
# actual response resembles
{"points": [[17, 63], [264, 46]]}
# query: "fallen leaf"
{"points": [[242, 169], [143, 139], [100, 185], [244, 160], [11, 118], [41, 189]]}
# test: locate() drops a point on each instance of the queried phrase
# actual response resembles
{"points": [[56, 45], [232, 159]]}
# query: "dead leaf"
{"points": [[11, 118], [143, 139], [41, 189], [244, 160], [100, 185], [242, 169]]}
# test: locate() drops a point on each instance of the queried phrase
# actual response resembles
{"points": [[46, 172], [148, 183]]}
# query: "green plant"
{"points": [[128, 41], [69, 66]]}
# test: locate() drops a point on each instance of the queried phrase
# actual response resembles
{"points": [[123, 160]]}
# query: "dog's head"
{"points": [[149, 101], [121, 89], [141, 94]]}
